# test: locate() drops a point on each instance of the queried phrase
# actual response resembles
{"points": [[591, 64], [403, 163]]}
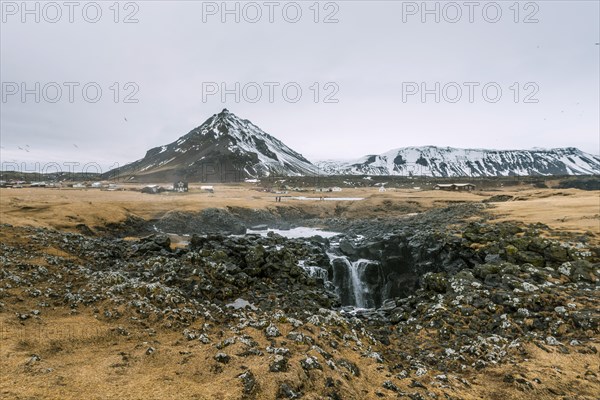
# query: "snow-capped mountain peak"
{"points": [[226, 146]]}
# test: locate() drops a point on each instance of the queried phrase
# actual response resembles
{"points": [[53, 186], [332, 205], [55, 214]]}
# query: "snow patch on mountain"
{"points": [[452, 162], [226, 147], [223, 143]]}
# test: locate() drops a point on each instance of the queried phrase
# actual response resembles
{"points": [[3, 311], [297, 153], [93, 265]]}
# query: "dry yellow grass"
{"points": [[560, 376], [84, 358], [566, 209], [65, 208]]}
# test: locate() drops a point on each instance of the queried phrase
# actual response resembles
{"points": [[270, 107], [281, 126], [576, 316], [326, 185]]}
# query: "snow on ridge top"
{"points": [[487, 150], [244, 139], [243, 130], [450, 161]]}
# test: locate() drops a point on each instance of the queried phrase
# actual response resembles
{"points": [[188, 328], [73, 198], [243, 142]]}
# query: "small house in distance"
{"points": [[329, 189], [180, 187], [455, 186]]}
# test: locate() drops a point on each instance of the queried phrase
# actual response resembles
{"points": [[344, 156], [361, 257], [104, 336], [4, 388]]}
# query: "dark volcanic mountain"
{"points": [[224, 148]]}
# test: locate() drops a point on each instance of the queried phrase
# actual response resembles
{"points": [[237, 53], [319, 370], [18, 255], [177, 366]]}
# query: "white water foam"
{"points": [[296, 233]]}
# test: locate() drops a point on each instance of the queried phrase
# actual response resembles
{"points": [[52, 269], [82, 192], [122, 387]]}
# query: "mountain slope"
{"points": [[450, 162], [223, 148]]}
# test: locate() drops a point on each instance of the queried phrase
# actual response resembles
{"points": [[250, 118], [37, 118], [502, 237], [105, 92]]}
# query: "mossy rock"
{"points": [[556, 252], [531, 257], [582, 270], [538, 244], [510, 269], [465, 275], [436, 282], [521, 243], [474, 237], [511, 251], [255, 257], [481, 271]]}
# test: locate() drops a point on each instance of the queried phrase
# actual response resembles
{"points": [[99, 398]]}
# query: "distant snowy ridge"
{"points": [[452, 162], [228, 148]]}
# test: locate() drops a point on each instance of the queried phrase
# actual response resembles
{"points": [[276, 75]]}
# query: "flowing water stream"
{"points": [[350, 281]]}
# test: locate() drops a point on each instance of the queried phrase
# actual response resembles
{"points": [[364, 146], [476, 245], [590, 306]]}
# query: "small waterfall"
{"points": [[350, 280], [360, 290]]}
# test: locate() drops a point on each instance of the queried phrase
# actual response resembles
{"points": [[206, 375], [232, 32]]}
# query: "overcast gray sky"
{"points": [[373, 57]]}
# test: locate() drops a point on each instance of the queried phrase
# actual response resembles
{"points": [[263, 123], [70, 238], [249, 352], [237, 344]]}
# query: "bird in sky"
{"points": [[75, 146], [125, 118]]}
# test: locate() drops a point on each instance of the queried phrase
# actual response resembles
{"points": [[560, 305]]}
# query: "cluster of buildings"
{"points": [[455, 186], [44, 184], [183, 187], [329, 189], [12, 183], [178, 187]]}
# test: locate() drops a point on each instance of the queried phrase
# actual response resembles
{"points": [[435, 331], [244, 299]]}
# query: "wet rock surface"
{"points": [[228, 220]]}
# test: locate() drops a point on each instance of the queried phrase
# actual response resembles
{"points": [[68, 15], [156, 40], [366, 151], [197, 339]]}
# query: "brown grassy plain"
{"points": [[564, 209], [84, 358], [81, 356]]}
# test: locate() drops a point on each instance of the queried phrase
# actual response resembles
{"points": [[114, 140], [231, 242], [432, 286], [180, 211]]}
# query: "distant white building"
{"points": [[329, 189]]}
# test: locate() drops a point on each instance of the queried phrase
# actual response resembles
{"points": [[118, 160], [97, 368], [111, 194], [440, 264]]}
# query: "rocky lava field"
{"points": [[456, 307]]}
